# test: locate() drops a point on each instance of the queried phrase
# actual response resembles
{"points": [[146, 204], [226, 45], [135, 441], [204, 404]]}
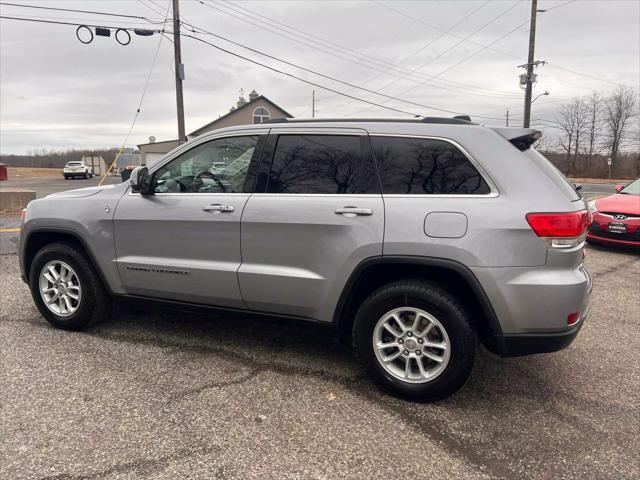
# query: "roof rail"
{"points": [[462, 120]]}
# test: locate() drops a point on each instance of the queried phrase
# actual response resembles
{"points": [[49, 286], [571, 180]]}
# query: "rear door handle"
{"points": [[353, 211], [216, 207]]}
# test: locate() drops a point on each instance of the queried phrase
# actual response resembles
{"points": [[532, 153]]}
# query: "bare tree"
{"points": [[572, 122], [593, 105], [619, 109]]}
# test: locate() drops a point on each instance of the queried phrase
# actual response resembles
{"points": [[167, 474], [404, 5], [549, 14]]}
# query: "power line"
{"points": [[430, 25], [387, 65], [137, 114], [75, 24], [358, 60], [155, 9], [495, 49], [393, 82], [480, 50], [273, 69], [328, 77], [92, 12], [427, 45], [583, 74], [84, 21], [263, 17]]}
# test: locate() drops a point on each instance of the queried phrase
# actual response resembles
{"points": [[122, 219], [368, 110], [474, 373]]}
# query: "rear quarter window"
{"points": [[425, 166], [552, 172]]}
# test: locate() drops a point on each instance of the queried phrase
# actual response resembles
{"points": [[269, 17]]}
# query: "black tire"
{"points": [[85, 175], [95, 302], [66, 177], [446, 309]]}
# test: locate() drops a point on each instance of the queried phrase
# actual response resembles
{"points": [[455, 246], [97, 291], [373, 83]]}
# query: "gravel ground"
{"points": [[165, 395]]}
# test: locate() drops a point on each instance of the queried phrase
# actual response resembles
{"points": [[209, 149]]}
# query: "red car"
{"points": [[616, 219]]}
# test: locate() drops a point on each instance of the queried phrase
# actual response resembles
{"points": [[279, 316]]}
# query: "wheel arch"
{"points": [[38, 238], [452, 275]]}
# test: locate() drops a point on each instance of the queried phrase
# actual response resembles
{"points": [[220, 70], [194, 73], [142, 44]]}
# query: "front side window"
{"points": [[218, 166], [261, 114], [321, 164], [425, 167]]}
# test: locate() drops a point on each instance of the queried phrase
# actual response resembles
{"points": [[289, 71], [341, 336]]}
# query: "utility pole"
{"points": [[507, 115], [179, 68], [313, 103], [529, 78]]}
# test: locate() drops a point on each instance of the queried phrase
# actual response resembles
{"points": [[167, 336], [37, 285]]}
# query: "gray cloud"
{"points": [[58, 93]]}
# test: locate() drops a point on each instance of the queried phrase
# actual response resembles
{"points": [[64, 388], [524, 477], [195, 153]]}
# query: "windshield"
{"points": [[632, 189]]}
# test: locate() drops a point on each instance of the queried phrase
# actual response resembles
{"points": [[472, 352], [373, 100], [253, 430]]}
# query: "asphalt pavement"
{"points": [[164, 394], [592, 190], [44, 186]]}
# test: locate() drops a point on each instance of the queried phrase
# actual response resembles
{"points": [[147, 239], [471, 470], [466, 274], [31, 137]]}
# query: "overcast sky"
{"points": [[58, 93]]}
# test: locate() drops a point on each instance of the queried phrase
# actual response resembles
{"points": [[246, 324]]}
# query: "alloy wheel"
{"points": [[411, 344], [60, 288]]}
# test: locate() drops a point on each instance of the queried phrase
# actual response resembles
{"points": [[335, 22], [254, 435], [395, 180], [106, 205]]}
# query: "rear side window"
{"points": [[422, 166], [321, 164]]}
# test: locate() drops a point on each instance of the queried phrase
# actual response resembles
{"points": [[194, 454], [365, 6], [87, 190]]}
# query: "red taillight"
{"points": [[559, 225], [573, 318]]}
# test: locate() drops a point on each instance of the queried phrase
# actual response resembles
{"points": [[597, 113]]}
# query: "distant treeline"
{"points": [[55, 159], [625, 166]]}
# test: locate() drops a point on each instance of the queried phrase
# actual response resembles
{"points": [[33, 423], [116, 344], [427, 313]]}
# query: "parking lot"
{"points": [[44, 186], [167, 394]]}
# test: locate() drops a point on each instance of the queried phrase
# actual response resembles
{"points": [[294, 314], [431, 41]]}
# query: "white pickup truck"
{"points": [[77, 168]]}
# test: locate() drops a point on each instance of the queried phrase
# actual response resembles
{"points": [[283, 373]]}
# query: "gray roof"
{"points": [[246, 105]]}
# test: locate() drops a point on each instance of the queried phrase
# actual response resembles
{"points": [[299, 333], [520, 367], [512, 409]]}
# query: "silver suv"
{"points": [[419, 238]]}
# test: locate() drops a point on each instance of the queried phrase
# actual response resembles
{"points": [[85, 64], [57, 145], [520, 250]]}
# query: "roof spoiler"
{"points": [[521, 138]]}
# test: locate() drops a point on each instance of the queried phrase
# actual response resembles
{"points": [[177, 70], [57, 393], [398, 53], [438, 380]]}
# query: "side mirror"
{"points": [[577, 186], [619, 188], [139, 181]]}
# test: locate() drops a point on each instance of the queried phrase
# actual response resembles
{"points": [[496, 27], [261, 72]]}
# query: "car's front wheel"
{"points": [[66, 288], [415, 340]]}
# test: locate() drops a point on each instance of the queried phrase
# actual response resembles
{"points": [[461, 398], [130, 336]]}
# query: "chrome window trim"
{"points": [[493, 189], [336, 195], [177, 194], [353, 132]]}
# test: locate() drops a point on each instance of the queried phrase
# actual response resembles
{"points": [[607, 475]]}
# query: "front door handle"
{"points": [[216, 207], [353, 211]]}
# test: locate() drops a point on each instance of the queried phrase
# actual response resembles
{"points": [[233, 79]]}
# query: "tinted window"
{"points": [[425, 166], [321, 164], [218, 166]]}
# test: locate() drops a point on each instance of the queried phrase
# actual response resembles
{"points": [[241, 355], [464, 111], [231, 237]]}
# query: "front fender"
{"points": [[89, 220]]}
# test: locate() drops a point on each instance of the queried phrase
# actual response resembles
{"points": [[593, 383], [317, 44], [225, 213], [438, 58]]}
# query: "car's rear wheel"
{"points": [[85, 176], [66, 177], [414, 339], [66, 288]]}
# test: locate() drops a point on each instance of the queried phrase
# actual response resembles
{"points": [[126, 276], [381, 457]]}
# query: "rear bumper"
{"points": [[531, 343]]}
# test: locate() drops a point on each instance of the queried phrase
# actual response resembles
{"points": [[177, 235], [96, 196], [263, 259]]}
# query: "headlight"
{"points": [[591, 205]]}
